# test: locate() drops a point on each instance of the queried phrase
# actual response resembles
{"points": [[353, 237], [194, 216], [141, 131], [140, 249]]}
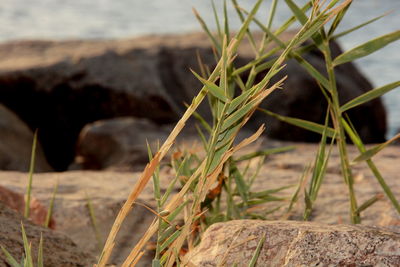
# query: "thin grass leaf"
{"points": [[272, 12], [212, 87], [40, 252], [51, 206], [299, 14], [267, 193], [207, 30], [256, 254], [370, 95], [240, 183], [337, 20], [370, 202], [368, 154], [336, 36], [27, 247], [357, 141], [216, 18], [30, 178], [9, 258], [367, 48], [308, 125], [170, 239], [265, 152], [93, 220]]}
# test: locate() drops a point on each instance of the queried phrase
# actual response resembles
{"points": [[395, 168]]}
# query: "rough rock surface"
{"points": [[16, 144], [59, 87], [58, 249], [289, 243], [119, 143], [107, 190]]}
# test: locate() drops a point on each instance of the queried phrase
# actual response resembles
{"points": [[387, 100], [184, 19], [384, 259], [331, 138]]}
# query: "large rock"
{"points": [[58, 249], [16, 144], [302, 98], [59, 87], [289, 243], [107, 190]]}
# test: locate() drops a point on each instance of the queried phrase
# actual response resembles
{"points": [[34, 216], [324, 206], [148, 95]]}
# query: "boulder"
{"points": [[118, 143], [58, 249], [60, 86], [289, 243], [16, 144], [107, 190], [302, 98]]}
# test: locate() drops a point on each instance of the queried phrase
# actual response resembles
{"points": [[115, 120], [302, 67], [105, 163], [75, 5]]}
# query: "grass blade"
{"points": [[212, 88], [377, 92], [257, 252], [308, 125], [367, 48], [368, 154], [10, 259], [30, 178], [51, 206], [40, 252]]}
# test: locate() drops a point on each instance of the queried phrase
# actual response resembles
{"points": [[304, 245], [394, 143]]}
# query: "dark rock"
{"points": [[302, 98], [58, 249], [59, 87], [16, 144], [289, 243], [119, 143]]}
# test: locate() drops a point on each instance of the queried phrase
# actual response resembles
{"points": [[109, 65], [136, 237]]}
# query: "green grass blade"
{"points": [[30, 178], [240, 183], [336, 36], [9, 258], [212, 88], [369, 202], [207, 30], [265, 152], [256, 254], [169, 240], [93, 220], [368, 96], [217, 24], [308, 125], [272, 12], [51, 206], [300, 15], [40, 252], [357, 141], [368, 154], [27, 247], [337, 20], [367, 48]]}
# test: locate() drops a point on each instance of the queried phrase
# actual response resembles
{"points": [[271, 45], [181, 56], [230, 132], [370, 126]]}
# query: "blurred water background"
{"points": [[94, 19]]}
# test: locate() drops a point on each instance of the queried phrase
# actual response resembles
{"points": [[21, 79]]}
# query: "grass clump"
{"points": [[233, 100]]}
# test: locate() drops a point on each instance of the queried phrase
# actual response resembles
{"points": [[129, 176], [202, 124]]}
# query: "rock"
{"points": [[119, 143], [106, 191], [60, 86], [289, 243], [16, 201], [16, 144], [58, 249], [302, 98]]}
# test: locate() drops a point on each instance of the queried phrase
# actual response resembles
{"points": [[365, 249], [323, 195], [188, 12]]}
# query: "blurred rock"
{"points": [[58, 249], [302, 98], [60, 86], [16, 144], [119, 143], [289, 243], [16, 201]]}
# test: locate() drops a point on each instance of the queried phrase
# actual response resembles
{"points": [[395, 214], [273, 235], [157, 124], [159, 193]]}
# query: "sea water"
{"points": [[88, 19]]}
